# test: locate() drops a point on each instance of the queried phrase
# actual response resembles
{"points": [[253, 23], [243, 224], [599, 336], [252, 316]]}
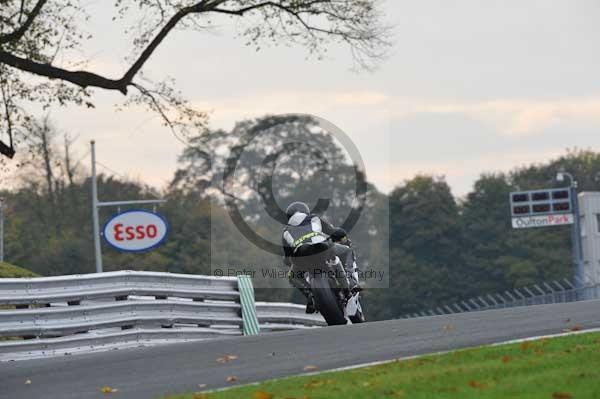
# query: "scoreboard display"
{"points": [[540, 208]]}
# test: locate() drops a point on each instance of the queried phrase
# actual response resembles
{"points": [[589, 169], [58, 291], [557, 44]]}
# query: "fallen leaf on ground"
{"points": [[231, 378], [262, 395], [576, 328], [226, 358], [313, 384], [108, 390], [448, 390], [506, 359], [311, 368], [561, 395], [476, 384], [395, 394]]}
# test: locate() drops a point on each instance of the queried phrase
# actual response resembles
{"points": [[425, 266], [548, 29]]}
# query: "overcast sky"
{"points": [[470, 87]]}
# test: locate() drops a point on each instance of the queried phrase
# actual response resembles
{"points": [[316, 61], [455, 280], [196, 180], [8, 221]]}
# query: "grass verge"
{"points": [[7, 270], [557, 368]]}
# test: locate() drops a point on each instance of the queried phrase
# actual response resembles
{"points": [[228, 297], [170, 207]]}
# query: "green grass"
{"points": [[558, 368], [8, 270]]}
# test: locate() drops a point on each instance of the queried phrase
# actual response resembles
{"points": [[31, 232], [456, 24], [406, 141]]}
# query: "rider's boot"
{"points": [[310, 304]]}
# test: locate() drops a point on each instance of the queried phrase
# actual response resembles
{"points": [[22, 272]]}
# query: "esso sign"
{"points": [[135, 231]]}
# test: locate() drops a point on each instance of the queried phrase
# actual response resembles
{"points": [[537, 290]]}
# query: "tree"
{"points": [[425, 219], [49, 164], [424, 250], [34, 34], [485, 221], [276, 159], [288, 157]]}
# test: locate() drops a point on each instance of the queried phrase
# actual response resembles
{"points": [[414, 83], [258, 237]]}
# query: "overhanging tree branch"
{"points": [[18, 33], [199, 7], [80, 78], [242, 11], [86, 79]]}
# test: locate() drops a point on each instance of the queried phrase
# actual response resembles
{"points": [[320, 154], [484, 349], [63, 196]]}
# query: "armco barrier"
{"points": [[48, 316], [117, 285]]}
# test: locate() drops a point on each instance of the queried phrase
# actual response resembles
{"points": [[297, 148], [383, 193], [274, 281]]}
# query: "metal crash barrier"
{"points": [[49, 316]]}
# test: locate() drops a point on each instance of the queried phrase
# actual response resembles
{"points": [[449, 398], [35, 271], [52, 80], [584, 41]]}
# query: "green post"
{"points": [[250, 321]]}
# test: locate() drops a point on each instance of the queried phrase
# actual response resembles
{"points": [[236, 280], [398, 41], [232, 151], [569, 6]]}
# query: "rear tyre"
{"points": [[326, 301]]}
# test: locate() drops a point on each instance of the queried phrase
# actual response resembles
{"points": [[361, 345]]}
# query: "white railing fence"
{"points": [[557, 291]]}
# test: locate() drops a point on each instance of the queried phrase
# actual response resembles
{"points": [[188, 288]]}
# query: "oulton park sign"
{"points": [[542, 221]]}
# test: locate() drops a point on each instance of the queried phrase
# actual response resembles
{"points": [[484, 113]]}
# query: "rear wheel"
{"points": [[326, 301]]}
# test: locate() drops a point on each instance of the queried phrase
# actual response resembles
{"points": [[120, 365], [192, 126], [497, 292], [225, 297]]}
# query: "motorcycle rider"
{"points": [[306, 240]]}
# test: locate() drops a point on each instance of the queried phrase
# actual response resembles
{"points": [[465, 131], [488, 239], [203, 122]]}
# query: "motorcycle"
{"points": [[329, 285]]}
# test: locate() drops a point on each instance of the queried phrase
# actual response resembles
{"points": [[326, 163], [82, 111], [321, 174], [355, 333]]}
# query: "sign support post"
{"points": [[96, 204], [576, 244], [97, 247], [576, 240]]}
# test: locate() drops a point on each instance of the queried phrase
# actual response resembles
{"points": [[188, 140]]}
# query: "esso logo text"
{"points": [[135, 231]]}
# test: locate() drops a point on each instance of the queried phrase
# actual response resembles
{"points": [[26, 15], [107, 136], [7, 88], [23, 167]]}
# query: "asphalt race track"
{"points": [[156, 371]]}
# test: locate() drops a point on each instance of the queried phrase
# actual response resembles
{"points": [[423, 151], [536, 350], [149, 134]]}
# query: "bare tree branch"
{"points": [[18, 33], [80, 78], [199, 7], [242, 11], [86, 79]]}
